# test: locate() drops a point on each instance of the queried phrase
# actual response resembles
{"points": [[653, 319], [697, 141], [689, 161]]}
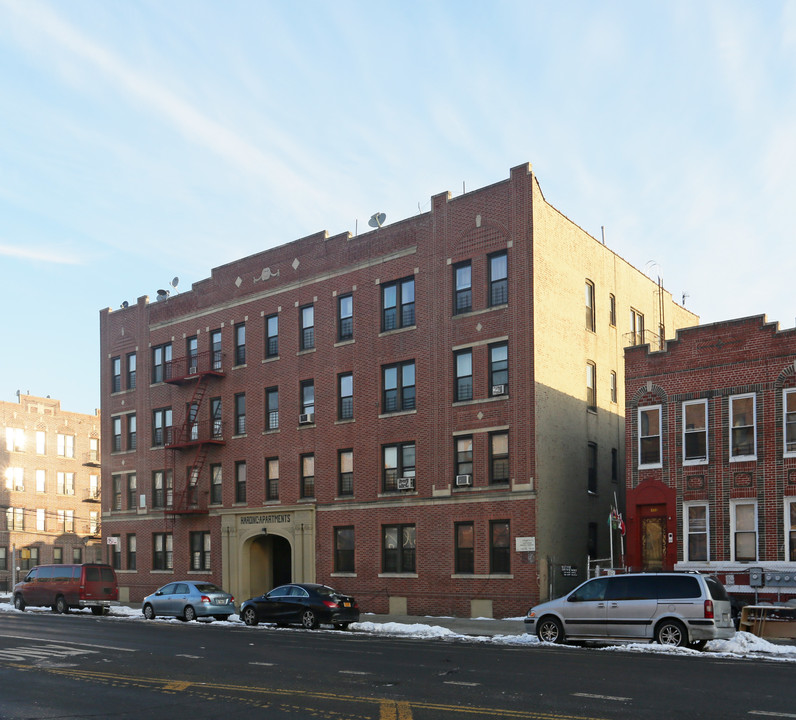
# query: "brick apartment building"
{"points": [[426, 416], [711, 453], [50, 496]]}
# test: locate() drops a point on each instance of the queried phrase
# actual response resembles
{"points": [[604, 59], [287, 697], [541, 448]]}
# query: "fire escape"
{"points": [[194, 438]]}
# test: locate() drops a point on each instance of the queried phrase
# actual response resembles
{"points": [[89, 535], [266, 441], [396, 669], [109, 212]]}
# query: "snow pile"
{"points": [[414, 629]]}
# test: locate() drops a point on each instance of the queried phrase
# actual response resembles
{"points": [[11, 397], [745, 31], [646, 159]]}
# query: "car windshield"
{"points": [[207, 588]]}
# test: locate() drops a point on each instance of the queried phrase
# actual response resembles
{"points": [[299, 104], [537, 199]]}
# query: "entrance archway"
{"points": [[270, 563]]}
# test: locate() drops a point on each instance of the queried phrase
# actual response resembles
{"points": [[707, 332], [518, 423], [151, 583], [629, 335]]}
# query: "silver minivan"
{"points": [[671, 608]]}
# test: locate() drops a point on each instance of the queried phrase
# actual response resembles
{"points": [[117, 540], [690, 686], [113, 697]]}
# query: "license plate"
{"points": [[346, 604]]}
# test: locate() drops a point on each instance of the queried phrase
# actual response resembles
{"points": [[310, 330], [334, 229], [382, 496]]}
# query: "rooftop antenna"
{"points": [[685, 295], [174, 282], [377, 220], [162, 295]]}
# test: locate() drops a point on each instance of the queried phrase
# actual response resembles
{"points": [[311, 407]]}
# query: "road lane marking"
{"points": [[177, 685], [389, 710], [262, 663], [43, 652], [353, 672], [461, 682], [602, 697], [69, 642], [771, 714]]}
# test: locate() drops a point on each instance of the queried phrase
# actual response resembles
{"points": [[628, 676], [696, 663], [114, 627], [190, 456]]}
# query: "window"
{"points": [[344, 549], [216, 355], [77, 555], [240, 414], [789, 411], [132, 438], [272, 336], [94, 450], [590, 317], [498, 279], [307, 339], [346, 472], [132, 491], [308, 476], [499, 540], [743, 442], [307, 393], [462, 288], [216, 423], [161, 427], [116, 552], [612, 310], [15, 518], [131, 371], [58, 555], [161, 363], [65, 483], [93, 522], [162, 552], [649, 437], [41, 481], [162, 488], [614, 465], [463, 389], [398, 304], [613, 386], [65, 520], [3, 558], [465, 548], [116, 434], [116, 482], [695, 432], [200, 550], [240, 344], [216, 487], [790, 529], [398, 461], [41, 443], [240, 481], [498, 369], [498, 458], [636, 327], [398, 549], [31, 561], [131, 551], [191, 354], [15, 439], [272, 408], [15, 479], [345, 317], [116, 374], [345, 396], [695, 519], [40, 520], [272, 479], [66, 445], [743, 527], [93, 487], [592, 468], [591, 386], [398, 382], [464, 457]]}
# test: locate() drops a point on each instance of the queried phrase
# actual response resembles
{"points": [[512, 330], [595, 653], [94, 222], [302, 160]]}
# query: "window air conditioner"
{"points": [[192, 370], [464, 480], [306, 418], [498, 389], [406, 483]]}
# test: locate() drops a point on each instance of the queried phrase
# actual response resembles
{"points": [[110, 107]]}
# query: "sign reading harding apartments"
{"points": [[260, 519]]}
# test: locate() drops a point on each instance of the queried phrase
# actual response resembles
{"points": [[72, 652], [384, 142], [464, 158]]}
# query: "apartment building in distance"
{"points": [[428, 416], [711, 450], [50, 494]]}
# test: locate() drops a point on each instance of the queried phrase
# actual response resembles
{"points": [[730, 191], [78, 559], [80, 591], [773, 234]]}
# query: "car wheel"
{"points": [[61, 605], [671, 632], [189, 614], [698, 644], [249, 616], [341, 626], [95, 610], [149, 612], [308, 620], [549, 630], [19, 602]]}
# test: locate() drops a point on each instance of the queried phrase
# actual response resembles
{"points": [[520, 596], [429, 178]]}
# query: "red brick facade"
{"points": [[714, 488]]}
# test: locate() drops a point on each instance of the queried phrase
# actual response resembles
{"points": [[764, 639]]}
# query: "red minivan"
{"points": [[62, 587]]}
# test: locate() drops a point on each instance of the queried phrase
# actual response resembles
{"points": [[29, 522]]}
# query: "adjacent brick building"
{"points": [[50, 494], [426, 416], [711, 453]]}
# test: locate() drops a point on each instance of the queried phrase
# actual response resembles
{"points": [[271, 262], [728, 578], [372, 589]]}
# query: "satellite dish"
{"points": [[175, 282], [125, 305], [377, 220], [162, 295]]}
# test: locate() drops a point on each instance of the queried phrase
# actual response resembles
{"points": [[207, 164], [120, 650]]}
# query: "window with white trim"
{"points": [[790, 529], [789, 422], [743, 438], [743, 530], [649, 437], [695, 432], [696, 530]]}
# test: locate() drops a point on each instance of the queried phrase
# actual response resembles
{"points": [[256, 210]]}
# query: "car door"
{"points": [[273, 606], [181, 598], [163, 602], [295, 603], [631, 603], [584, 614]]}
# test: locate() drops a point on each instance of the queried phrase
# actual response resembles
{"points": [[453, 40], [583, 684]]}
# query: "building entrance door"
{"points": [[653, 543], [270, 563]]}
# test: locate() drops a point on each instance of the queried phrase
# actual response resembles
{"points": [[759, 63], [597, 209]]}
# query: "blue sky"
{"points": [[145, 140]]}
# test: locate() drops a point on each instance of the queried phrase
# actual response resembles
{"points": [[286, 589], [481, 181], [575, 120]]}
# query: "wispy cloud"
{"points": [[39, 255]]}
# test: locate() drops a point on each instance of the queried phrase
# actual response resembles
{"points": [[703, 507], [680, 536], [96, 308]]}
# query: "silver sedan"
{"points": [[188, 601]]}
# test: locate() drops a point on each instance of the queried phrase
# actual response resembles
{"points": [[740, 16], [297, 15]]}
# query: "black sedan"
{"points": [[307, 604]]}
